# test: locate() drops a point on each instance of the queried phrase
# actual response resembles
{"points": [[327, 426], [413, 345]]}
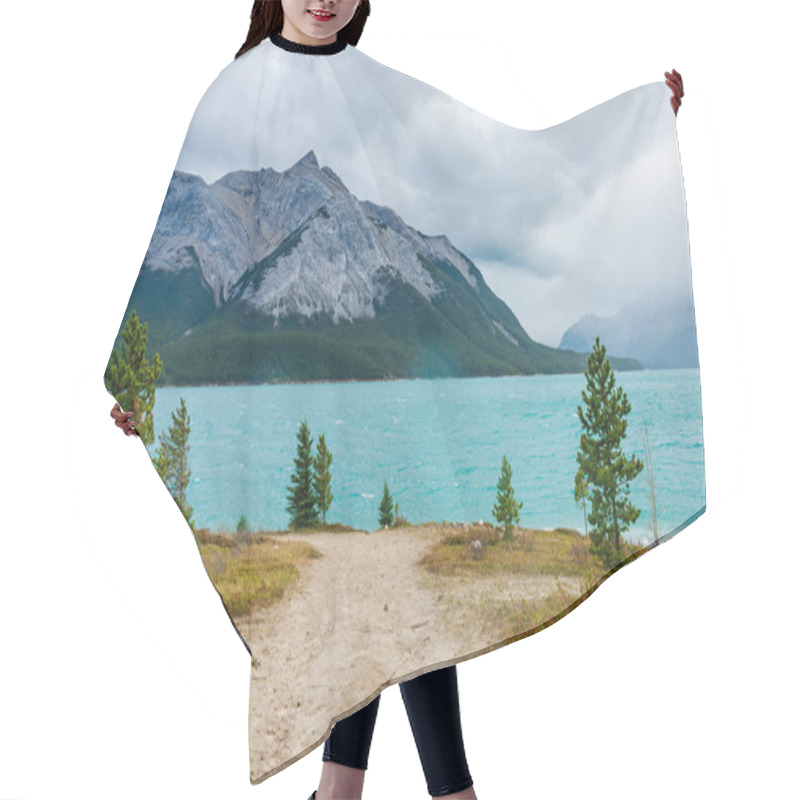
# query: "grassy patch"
{"points": [[529, 552], [328, 527], [478, 550], [251, 570]]}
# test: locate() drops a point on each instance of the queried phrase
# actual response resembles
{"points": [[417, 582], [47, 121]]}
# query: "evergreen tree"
{"points": [[385, 509], [322, 477], [301, 504], [172, 459], [601, 461], [581, 496], [131, 378], [506, 508]]}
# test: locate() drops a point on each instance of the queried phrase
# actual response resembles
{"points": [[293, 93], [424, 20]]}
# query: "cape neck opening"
{"points": [[308, 49]]}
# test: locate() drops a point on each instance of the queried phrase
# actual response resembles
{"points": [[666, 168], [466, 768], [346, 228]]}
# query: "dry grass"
{"points": [[328, 527], [511, 618], [530, 552], [251, 570], [561, 553]]}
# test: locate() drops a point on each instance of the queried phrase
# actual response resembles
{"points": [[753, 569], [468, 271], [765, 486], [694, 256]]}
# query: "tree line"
{"points": [[309, 492], [603, 476]]}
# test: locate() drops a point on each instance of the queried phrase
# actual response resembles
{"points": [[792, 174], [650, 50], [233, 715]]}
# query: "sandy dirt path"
{"points": [[358, 619]]}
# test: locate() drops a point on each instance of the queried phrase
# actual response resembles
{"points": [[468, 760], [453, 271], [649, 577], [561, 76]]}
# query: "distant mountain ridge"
{"points": [[266, 276], [658, 331]]}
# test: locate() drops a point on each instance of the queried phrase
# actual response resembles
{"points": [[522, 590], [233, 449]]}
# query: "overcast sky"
{"points": [[583, 217]]}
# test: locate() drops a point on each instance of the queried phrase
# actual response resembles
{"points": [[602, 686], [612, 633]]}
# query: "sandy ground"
{"points": [[359, 619]]}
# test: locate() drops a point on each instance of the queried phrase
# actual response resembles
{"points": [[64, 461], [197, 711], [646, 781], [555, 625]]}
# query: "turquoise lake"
{"points": [[439, 445]]}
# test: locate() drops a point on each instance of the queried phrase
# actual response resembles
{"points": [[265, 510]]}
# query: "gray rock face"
{"points": [[294, 242]]}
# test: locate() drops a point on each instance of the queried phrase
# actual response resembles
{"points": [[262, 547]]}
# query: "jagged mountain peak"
{"points": [[308, 160], [294, 253], [309, 165], [298, 242]]}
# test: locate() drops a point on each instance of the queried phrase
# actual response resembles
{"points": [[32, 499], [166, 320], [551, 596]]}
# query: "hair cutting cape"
{"points": [[418, 381]]}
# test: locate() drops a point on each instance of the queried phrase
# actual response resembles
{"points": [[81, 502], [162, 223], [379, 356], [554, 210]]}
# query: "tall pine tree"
{"points": [[301, 503], [601, 462], [506, 508], [172, 459], [131, 378], [323, 495]]}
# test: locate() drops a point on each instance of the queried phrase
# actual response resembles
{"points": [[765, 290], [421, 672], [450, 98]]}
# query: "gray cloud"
{"points": [[582, 217]]}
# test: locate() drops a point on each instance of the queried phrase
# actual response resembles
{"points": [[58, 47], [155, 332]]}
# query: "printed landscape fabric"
{"points": [[357, 348]]}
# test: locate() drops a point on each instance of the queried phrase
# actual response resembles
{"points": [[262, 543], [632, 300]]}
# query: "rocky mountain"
{"points": [[286, 276], [657, 331]]}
